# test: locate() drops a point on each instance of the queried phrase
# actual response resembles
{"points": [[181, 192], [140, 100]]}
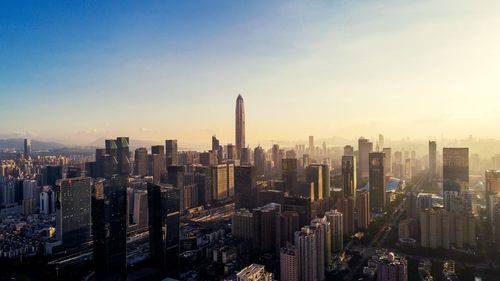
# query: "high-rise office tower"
{"points": [[47, 202], [245, 156], [30, 194], [164, 227], [73, 197], [336, 223], [307, 247], [432, 160], [27, 148], [348, 150], [259, 158], [301, 205], [289, 223], [266, 228], [242, 226], [397, 169], [325, 173], [492, 188], [219, 182], [455, 169], [100, 154], [222, 181], [349, 175], [73, 172], [314, 174], [52, 174], [496, 225], [171, 153], [245, 187], [141, 162], [109, 227], [217, 148], [161, 165], [289, 263], [156, 167], [231, 153], [346, 206], [408, 169], [377, 181], [311, 147], [215, 143], [240, 125], [140, 209], [208, 158], [276, 157], [289, 174], [176, 176], [176, 179], [364, 147], [123, 156], [387, 160], [203, 179], [362, 210], [380, 141], [116, 158], [392, 267]]}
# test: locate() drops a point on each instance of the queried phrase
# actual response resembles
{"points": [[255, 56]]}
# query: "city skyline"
{"points": [[300, 61]]}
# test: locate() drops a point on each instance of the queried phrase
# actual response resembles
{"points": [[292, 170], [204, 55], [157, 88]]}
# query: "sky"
{"points": [[77, 71]]}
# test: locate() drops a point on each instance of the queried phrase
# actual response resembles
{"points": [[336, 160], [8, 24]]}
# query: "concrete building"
{"points": [[242, 224], [254, 272]]}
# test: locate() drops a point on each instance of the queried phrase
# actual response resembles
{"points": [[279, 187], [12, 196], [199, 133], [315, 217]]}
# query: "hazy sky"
{"points": [[81, 70]]}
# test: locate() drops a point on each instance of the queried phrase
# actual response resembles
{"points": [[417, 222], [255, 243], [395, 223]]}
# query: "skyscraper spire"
{"points": [[240, 125]]}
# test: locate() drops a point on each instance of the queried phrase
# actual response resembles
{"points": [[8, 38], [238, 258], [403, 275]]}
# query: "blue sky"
{"points": [[77, 71]]}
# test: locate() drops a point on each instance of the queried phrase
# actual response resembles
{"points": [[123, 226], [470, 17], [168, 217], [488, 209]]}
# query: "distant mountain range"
{"points": [[18, 144]]}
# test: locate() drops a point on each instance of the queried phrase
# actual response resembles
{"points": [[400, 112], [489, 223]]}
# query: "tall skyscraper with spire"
{"points": [[240, 125]]}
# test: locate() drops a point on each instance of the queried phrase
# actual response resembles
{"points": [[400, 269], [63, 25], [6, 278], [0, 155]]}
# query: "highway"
{"points": [[380, 237]]}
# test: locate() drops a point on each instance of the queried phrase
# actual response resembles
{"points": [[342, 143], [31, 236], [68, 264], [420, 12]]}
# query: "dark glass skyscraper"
{"points": [[455, 169], [109, 227], [52, 174], [240, 125], [172, 156], [141, 161], [289, 174], [73, 211], [27, 148], [377, 181], [349, 175], [164, 206], [432, 160], [245, 187]]}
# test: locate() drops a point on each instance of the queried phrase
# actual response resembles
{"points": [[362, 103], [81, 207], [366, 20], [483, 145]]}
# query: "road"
{"points": [[380, 237]]}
